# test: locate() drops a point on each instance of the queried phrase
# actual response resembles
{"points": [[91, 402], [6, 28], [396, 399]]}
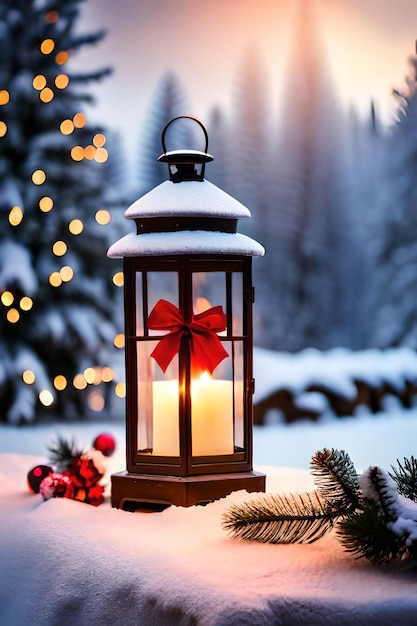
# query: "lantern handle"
{"points": [[188, 117]]}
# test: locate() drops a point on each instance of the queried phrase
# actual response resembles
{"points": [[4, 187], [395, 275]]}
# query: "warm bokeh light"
{"points": [[13, 316], [103, 217], [101, 155], [89, 152], [60, 382], [46, 397], [47, 46], [67, 273], [119, 279], [61, 58], [119, 341], [46, 95], [76, 227], [120, 390], [59, 248], [29, 377], [3, 128], [79, 120], [39, 82], [107, 374], [79, 382], [51, 17], [99, 140], [7, 298], [77, 153], [96, 401], [45, 204], [55, 279], [15, 216], [61, 81], [90, 375], [66, 127], [38, 177], [4, 96], [26, 303]]}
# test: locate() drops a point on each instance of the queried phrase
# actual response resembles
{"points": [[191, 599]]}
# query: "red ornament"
{"points": [[105, 443], [36, 476], [56, 486]]}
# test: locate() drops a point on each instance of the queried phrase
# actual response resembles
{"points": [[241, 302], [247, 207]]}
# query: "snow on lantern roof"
{"points": [[188, 198], [185, 242]]}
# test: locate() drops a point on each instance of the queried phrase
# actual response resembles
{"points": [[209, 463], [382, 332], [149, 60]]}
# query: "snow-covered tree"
{"points": [[56, 290], [169, 101], [308, 236], [397, 322]]}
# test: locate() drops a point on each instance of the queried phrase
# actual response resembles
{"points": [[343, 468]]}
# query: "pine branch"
{"points": [[299, 518], [406, 478], [365, 534], [336, 479], [63, 452], [378, 487]]}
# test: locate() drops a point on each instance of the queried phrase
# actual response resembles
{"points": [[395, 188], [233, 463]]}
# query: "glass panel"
{"points": [[139, 305], [237, 304], [209, 289], [158, 404], [239, 394], [161, 286], [212, 410]]}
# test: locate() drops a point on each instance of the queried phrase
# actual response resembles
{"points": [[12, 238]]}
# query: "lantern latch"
{"points": [[185, 164]]}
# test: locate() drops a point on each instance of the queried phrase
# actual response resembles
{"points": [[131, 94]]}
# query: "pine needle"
{"points": [[336, 479], [299, 518], [406, 478], [63, 452]]}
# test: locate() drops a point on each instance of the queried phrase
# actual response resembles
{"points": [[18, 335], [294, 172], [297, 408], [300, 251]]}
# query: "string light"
{"points": [[67, 273], [77, 153], [3, 128], [39, 82], [4, 96], [99, 140], [107, 375], [61, 81], [60, 382], [76, 227], [46, 397], [15, 216], [79, 120], [38, 177], [13, 316], [61, 58], [89, 152], [55, 279], [7, 298], [120, 390], [45, 204], [96, 401], [119, 341], [79, 382], [90, 375], [102, 217], [59, 248], [51, 17], [46, 95], [101, 155], [28, 377], [47, 46], [119, 279], [66, 127], [26, 303]]}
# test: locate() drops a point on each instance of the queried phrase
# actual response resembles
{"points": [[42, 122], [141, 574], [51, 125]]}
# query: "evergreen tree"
{"points": [[397, 320], [55, 280], [168, 102]]}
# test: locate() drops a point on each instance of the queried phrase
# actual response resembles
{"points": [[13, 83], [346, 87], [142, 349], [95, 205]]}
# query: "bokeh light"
{"points": [[77, 153], [61, 81], [45, 204], [55, 279], [7, 298], [66, 127], [15, 216], [26, 303], [119, 341], [96, 401], [38, 177], [60, 382], [47, 46], [46, 397], [28, 377], [4, 96], [13, 316], [39, 82], [59, 248], [51, 17], [61, 58], [103, 217], [3, 128], [76, 227], [67, 273], [46, 95], [120, 390], [79, 120], [119, 279], [79, 382]]}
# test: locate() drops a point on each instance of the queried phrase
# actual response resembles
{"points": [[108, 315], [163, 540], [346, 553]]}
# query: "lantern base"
{"points": [[130, 491]]}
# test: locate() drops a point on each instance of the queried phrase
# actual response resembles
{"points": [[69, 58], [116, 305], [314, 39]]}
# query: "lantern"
{"points": [[188, 326]]}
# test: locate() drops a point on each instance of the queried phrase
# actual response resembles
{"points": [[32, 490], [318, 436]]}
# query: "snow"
{"points": [[64, 562], [184, 242], [16, 267]]}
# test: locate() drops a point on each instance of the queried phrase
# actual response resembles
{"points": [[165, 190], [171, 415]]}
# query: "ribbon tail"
{"points": [[167, 348]]}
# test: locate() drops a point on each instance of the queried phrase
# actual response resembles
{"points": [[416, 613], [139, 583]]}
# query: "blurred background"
{"points": [[311, 111]]}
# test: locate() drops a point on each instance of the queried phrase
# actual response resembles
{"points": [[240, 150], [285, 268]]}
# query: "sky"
{"points": [[366, 44]]}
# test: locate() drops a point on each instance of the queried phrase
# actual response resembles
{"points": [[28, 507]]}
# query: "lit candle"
{"points": [[211, 417]]}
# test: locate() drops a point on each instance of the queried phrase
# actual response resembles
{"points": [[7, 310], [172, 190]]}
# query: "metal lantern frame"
{"points": [[184, 252]]}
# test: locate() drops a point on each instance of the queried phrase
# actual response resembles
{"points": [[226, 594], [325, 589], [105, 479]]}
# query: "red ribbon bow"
{"points": [[206, 349]]}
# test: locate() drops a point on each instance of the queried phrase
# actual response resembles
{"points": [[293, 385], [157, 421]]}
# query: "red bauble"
{"points": [[105, 443], [36, 476], [56, 486]]}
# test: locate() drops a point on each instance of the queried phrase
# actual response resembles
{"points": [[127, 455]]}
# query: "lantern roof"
{"points": [[185, 214]]}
